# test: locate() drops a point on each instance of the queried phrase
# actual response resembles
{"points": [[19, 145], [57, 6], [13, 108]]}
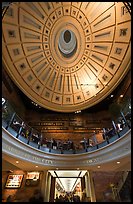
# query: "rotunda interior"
{"points": [[66, 101]]}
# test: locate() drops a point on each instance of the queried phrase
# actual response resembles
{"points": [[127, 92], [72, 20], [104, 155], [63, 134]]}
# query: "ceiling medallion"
{"points": [[66, 56]]}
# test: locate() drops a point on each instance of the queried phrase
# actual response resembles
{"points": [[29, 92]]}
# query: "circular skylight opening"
{"points": [[67, 36], [67, 43]]}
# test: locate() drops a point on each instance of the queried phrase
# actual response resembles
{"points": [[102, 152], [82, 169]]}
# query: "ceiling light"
{"points": [[56, 168], [118, 162], [36, 166], [111, 95], [78, 111], [129, 106], [121, 96], [17, 162], [77, 168], [98, 167]]}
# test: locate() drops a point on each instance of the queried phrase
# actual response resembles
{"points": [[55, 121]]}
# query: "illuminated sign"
{"points": [[14, 181], [32, 178]]}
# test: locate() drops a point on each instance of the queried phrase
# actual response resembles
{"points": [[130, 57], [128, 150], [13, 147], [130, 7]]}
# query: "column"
{"points": [[44, 184], [82, 183], [95, 139], [52, 189], [10, 120], [87, 186], [122, 114], [90, 187], [48, 185]]}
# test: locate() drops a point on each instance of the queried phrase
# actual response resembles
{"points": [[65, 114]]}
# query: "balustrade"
{"points": [[19, 129]]}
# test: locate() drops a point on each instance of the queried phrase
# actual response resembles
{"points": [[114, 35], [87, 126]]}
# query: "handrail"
{"points": [[37, 144], [15, 148]]}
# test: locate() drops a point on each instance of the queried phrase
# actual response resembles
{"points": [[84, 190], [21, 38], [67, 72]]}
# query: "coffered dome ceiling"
{"points": [[66, 56]]}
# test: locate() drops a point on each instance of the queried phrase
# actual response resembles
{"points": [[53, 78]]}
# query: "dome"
{"points": [[66, 56]]}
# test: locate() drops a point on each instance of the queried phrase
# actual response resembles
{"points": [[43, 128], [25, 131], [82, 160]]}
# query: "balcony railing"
{"points": [[19, 129]]}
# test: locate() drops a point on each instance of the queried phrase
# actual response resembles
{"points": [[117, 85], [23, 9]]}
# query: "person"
{"points": [[118, 126], [16, 125], [69, 142], [35, 137], [44, 141], [54, 144], [36, 197], [84, 198], [56, 199], [75, 198], [60, 199], [85, 143], [72, 145], [3, 200], [66, 199], [78, 198], [23, 131], [88, 142], [10, 198], [107, 138]]}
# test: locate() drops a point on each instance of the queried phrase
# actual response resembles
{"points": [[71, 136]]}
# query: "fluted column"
{"points": [[90, 185]]}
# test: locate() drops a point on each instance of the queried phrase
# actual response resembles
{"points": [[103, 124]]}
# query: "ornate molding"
{"points": [[118, 149]]}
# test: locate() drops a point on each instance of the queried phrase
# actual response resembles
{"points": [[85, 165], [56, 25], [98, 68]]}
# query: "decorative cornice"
{"points": [[118, 149]]}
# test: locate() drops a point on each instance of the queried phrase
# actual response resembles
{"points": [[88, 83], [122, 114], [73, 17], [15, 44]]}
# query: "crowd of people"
{"points": [[51, 143], [67, 198], [32, 135]]}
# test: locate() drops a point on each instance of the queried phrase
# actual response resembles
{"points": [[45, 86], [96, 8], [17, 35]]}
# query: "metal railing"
{"points": [[22, 131]]}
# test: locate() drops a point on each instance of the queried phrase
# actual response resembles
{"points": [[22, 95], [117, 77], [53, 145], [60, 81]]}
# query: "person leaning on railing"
{"points": [[23, 131], [16, 125]]}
